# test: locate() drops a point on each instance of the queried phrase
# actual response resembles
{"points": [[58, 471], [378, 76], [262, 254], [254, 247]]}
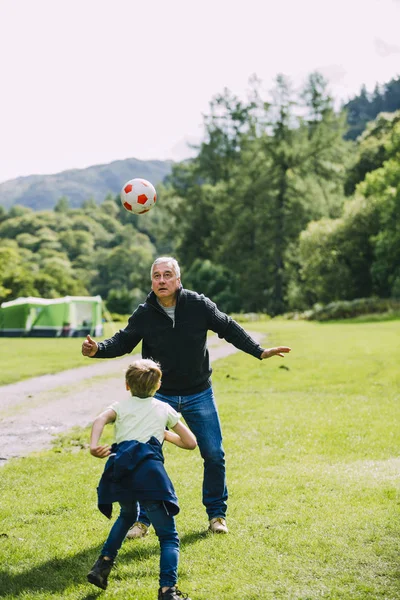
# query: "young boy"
{"points": [[135, 472]]}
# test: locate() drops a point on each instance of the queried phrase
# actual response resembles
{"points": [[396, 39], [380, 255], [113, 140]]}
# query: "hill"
{"points": [[41, 192]]}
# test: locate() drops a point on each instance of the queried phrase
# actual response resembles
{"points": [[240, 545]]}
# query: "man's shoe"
{"points": [[100, 571], [172, 593], [218, 525], [138, 530]]}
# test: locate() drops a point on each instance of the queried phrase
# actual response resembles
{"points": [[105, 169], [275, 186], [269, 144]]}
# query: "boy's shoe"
{"points": [[100, 571], [172, 593], [218, 525], [138, 530]]}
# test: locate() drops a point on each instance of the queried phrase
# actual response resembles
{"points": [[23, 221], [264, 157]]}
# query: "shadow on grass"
{"points": [[52, 576], [57, 574], [194, 536]]}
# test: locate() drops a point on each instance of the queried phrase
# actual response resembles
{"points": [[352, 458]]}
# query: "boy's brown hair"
{"points": [[143, 377]]}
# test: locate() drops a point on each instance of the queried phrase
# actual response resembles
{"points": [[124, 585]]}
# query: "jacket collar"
{"points": [[152, 298]]}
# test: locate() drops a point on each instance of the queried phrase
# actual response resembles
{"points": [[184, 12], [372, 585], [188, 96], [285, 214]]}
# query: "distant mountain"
{"points": [[41, 192]]}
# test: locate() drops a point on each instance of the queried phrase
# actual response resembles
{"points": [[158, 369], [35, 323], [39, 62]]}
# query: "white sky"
{"points": [[86, 82]]}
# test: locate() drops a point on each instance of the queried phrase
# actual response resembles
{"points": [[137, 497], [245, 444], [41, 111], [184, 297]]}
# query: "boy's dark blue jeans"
{"points": [[164, 526], [201, 415]]}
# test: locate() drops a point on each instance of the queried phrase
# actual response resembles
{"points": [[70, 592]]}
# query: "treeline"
{"points": [[86, 251], [366, 106], [281, 212], [276, 212]]}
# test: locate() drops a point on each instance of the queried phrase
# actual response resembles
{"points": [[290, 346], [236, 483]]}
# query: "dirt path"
{"points": [[34, 410]]}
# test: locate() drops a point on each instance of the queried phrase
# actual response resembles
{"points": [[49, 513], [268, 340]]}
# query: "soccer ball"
{"points": [[138, 196]]}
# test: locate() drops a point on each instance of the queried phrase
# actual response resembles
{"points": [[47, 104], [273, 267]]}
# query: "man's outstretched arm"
{"points": [[122, 342]]}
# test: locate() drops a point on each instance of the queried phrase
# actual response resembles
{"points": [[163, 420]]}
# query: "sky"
{"points": [[87, 82]]}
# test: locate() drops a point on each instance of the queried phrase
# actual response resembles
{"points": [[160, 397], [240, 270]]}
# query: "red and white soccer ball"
{"points": [[138, 196]]}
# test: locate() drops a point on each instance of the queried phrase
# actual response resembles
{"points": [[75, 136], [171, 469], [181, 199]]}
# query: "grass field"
{"points": [[312, 445], [22, 358]]}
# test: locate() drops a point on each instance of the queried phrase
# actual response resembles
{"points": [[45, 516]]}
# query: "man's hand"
{"points": [[100, 451], [278, 351], [89, 347]]}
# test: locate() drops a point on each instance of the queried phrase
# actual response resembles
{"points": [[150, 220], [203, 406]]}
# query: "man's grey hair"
{"points": [[166, 259]]}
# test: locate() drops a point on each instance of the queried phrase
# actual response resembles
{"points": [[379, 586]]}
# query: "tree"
{"points": [[228, 122], [335, 257], [216, 282], [78, 244], [295, 175], [89, 206], [16, 278], [63, 205], [357, 255], [317, 100], [366, 107], [125, 267], [73, 252], [382, 188], [192, 204], [358, 112], [372, 149], [57, 278], [250, 192], [124, 301]]}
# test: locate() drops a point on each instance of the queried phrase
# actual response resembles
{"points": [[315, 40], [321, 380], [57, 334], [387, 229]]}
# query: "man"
{"points": [[172, 325]]}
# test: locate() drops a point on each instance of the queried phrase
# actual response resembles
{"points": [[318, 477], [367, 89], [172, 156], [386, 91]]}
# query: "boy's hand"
{"points": [[279, 351], [100, 451]]}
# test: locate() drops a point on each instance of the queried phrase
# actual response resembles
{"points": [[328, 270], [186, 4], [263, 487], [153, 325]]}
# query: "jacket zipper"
{"points": [[160, 310]]}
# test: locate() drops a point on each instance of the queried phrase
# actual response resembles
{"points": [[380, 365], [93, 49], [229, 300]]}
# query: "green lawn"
{"points": [[21, 358], [312, 444]]}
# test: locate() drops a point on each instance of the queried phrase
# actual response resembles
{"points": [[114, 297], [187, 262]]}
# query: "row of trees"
{"points": [[276, 211], [74, 252], [365, 107], [282, 210], [358, 254]]}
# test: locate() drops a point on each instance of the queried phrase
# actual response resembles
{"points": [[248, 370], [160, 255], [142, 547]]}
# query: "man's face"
{"points": [[164, 281]]}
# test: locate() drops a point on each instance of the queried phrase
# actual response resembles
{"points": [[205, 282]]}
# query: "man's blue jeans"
{"points": [[201, 415], [164, 526]]}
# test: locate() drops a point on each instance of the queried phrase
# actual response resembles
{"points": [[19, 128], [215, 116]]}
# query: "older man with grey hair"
{"points": [[172, 325]]}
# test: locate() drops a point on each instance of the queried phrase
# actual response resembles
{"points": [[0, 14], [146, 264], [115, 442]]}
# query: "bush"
{"points": [[250, 317], [349, 309], [117, 318]]}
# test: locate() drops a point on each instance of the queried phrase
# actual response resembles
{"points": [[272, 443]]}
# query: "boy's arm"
{"points": [[181, 436], [108, 416]]}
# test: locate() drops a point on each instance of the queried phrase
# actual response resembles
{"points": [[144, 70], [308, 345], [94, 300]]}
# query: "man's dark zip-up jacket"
{"points": [[180, 348]]}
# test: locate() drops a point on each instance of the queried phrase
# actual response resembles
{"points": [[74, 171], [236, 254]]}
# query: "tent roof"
{"points": [[47, 301]]}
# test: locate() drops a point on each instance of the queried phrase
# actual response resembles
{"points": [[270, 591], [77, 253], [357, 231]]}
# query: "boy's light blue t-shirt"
{"points": [[141, 418]]}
